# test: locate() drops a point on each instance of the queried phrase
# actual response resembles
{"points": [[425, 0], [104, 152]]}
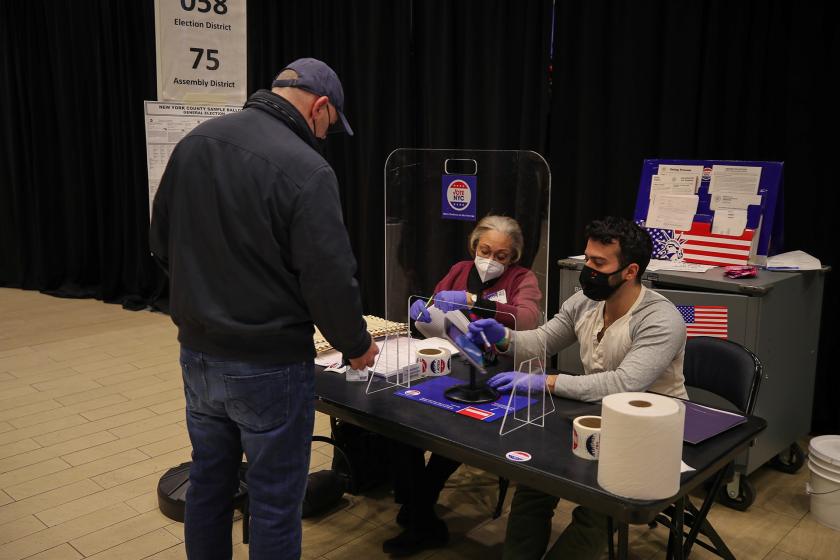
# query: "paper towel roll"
{"points": [[641, 445]]}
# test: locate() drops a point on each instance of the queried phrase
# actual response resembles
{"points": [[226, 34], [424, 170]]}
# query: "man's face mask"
{"points": [[321, 138], [596, 285], [488, 269]]}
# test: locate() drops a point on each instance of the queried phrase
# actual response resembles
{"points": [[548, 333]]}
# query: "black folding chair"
{"points": [[729, 371]]}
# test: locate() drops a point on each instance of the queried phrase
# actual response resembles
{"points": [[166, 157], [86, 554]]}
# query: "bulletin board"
{"points": [[713, 212]]}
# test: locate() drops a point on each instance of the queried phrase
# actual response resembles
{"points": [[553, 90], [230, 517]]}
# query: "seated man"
{"points": [[631, 339]]}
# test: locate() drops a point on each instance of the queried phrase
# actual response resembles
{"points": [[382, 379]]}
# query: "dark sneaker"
{"points": [[412, 541], [403, 516]]}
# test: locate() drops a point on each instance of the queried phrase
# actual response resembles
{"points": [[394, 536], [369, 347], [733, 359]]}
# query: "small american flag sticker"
{"points": [[705, 320], [476, 413]]}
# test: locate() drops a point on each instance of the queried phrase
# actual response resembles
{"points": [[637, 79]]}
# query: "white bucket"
{"points": [[824, 487], [827, 450]]}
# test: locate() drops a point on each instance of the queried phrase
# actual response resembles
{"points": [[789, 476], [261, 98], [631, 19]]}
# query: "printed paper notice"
{"points": [[735, 179], [669, 211], [673, 184], [166, 124], [729, 221], [695, 171], [671, 169], [734, 200]]}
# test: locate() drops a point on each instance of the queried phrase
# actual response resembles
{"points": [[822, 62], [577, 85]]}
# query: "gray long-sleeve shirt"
{"points": [[642, 350]]}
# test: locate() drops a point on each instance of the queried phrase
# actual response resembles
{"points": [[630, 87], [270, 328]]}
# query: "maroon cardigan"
{"points": [[521, 290]]}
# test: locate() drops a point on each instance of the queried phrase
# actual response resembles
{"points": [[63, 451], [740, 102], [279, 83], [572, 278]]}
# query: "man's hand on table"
{"points": [[367, 359]]}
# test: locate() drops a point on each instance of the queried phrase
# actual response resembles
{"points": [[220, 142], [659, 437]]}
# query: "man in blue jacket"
{"points": [[247, 223]]}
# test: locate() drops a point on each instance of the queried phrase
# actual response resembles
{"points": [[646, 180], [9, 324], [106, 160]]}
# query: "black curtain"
{"points": [[631, 80], [73, 194], [726, 80]]}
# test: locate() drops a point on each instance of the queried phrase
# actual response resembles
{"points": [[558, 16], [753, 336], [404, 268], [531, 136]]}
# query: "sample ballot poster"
{"points": [[166, 124], [201, 50]]}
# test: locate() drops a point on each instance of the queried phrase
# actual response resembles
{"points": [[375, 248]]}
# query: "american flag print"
{"points": [[705, 320], [700, 245], [666, 246]]}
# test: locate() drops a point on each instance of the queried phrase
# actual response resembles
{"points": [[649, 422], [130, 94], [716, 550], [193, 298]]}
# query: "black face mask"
{"points": [[322, 142], [596, 285]]}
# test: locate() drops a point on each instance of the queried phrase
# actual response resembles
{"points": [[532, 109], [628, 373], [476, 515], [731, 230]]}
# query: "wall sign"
{"points": [[201, 51]]}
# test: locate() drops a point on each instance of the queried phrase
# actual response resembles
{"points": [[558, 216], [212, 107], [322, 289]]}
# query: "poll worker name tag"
{"points": [[458, 197], [498, 297]]}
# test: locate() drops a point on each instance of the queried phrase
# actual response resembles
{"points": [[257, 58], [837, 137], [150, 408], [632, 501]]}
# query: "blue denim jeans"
{"points": [[267, 412]]}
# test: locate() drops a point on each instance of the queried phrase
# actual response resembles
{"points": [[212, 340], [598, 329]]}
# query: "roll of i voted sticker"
{"points": [[434, 362], [518, 456], [586, 437]]}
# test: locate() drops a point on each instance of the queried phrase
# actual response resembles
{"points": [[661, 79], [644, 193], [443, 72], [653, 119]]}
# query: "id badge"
{"points": [[498, 297]]}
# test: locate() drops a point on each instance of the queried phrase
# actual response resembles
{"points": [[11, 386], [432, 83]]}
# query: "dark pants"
{"points": [[268, 412], [417, 485], [529, 528]]}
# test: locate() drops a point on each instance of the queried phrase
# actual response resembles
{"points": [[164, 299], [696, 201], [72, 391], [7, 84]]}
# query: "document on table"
{"points": [[734, 200], [735, 179], [399, 354], [671, 211], [729, 221], [330, 358], [793, 260], [677, 266]]}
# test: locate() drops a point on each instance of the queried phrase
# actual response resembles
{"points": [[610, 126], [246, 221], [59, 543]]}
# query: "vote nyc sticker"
{"points": [[518, 456], [458, 197]]}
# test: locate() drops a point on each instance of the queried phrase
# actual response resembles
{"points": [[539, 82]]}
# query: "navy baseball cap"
{"points": [[316, 77]]}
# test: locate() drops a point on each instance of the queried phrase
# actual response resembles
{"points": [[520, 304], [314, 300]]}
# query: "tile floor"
{"points": [[91, 414]]}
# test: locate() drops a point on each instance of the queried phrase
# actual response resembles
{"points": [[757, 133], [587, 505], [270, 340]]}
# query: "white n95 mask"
{"points": [[488, 269]]}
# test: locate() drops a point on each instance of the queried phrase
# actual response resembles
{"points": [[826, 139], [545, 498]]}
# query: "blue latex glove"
{"points": [[524, 382], [492, 329], [450, 300], [418, 312]]}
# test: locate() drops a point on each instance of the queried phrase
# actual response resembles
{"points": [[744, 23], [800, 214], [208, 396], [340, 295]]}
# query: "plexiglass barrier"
{"points": [[434, 199]]}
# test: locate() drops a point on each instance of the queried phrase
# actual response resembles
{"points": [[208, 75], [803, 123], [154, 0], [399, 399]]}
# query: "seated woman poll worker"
{"points": [[492, 281], [491, 285], [631, 339]]}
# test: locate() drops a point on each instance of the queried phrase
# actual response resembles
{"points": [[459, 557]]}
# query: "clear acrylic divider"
{"points": [[435, 198], [539, 401], [396, 364]]}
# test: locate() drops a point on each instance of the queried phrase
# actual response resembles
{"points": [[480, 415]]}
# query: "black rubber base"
{"points": [[471, 395], [172, 491]]}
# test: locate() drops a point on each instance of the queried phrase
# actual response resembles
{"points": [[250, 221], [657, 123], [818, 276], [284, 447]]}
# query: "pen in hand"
{"points": [[486, 342], [428, 303]]}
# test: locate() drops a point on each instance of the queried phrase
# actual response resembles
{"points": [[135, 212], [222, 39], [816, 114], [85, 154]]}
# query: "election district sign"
{"points": [[201, 51], [458, 197]]}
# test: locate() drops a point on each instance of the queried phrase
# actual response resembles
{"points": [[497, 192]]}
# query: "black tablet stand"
{"points": [[472, 393]]}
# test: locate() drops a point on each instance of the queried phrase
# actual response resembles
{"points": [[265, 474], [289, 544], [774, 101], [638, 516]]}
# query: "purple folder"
{"points": [[703, 422]]}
